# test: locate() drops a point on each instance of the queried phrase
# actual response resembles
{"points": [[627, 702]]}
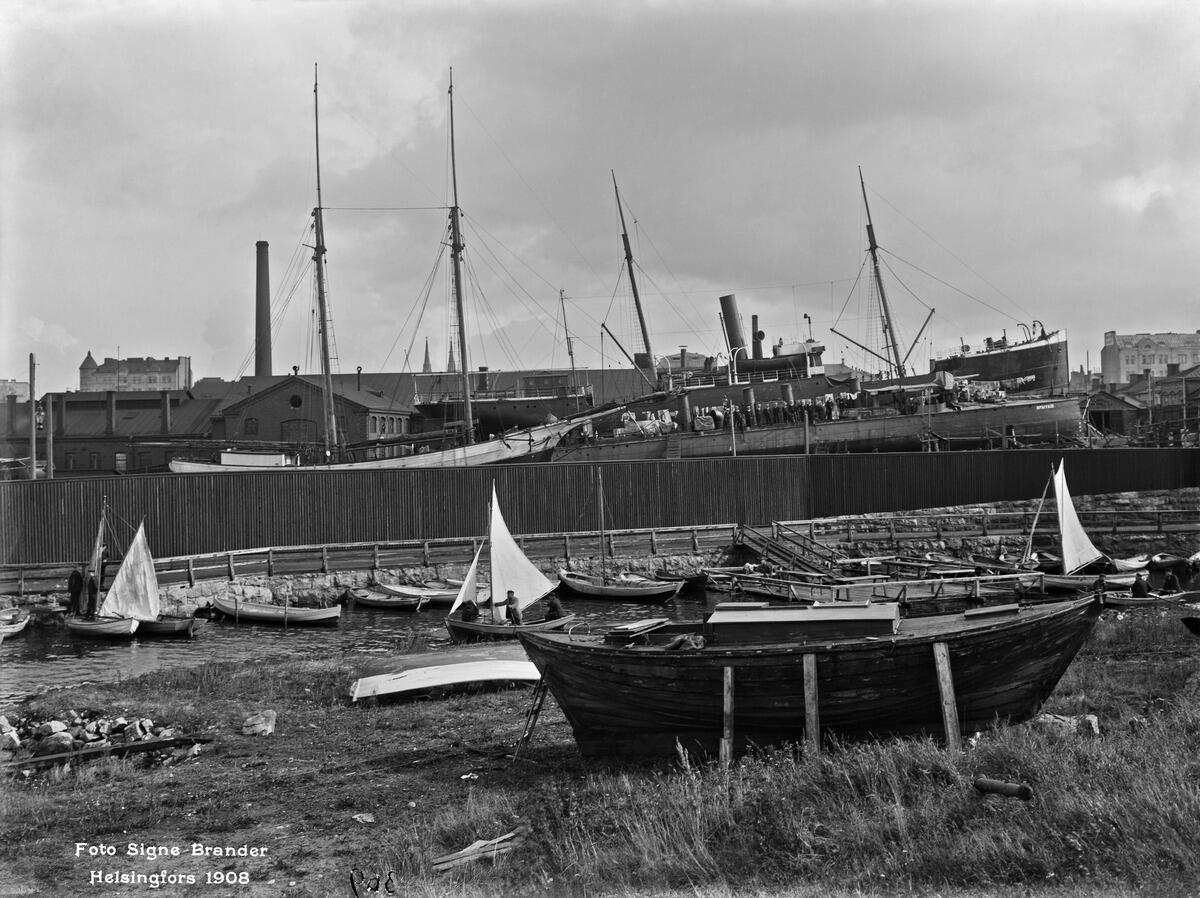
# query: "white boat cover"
{"points": [[511, 569], [1077, 548], [134, 590]]}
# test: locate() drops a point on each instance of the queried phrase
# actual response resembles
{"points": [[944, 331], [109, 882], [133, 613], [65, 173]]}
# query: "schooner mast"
{"points": [[637, 300], [873, 247], [330, 418], [456, 248]]}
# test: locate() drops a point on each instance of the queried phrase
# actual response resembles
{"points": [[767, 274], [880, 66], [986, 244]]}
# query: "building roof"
{"points": [[368, 400], [136, 364]]}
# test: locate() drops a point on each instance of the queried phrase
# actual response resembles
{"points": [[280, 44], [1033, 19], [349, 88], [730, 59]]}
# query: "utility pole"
{"points": [[32, 417]]}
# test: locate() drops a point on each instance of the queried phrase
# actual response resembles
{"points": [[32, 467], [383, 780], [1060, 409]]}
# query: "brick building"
{"points": [[135, 374]]}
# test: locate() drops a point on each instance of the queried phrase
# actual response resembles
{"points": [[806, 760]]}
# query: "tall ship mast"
{"points": [[329, 416], [456, 248], [637, 300]]}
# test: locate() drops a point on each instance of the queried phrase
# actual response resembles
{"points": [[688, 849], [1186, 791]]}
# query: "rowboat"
{"points": [[168, 625], [623, 586], [439, 676], [1085, 582], [377, 598], [405, 591], [470, 631], [632, 693], [13, 621], [264, 612], [103, 627], [1161, 561], [1133, 563], [1127, 600]]}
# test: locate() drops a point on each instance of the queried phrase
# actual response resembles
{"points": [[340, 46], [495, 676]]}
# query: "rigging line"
{"points": [[961, 292], [482, 305], [951, 254], [901, 282], [587, 263], [423, 301], [386, 208], [850, 294], [659, 256], [485, 232]]}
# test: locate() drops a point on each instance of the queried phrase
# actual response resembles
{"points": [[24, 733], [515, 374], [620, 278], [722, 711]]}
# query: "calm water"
{"points": [[47, 657]]}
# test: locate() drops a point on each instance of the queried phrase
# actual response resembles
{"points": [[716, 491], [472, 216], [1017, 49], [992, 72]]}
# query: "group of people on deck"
{"points": [[554, 609]]}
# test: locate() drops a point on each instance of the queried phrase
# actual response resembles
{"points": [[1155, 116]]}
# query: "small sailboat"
{"points": [[131, 604], [1078, 552], [629, 587], [510, 570]]}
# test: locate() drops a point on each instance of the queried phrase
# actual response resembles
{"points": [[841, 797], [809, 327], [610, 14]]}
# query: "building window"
{"points": [[95, 461], [119, 462], [70, 461], [295, 401], [374, 424], [251, 428]]}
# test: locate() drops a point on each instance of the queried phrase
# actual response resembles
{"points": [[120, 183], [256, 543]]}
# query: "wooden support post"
{"points": [[21, 582], [695, 541], [727, 718], [270, 562], [425, 553], [812, 716], [653, 544], [229, 559], [985, 525], [941, 658], [567, 546], [324, 560], [375, 557], [191, 573]]}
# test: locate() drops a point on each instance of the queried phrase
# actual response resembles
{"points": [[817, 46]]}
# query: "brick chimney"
{"points": [[165, 398], [111, 425]]}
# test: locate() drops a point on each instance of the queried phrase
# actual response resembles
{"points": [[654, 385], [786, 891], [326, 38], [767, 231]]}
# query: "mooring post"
{"points": [[324, 560], [191, 573], [653, 544], [270, 562], [567, 546], [812, 717], [727, 718], [375, 557], [425, 553], [229, 558], [941, 658]]}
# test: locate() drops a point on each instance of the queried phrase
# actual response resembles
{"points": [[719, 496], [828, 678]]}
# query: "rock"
{"points": [[5, 726], [50, 727], [73, 718], [54, 744], [166, 733], [1068, 725], [10, 741], [261, 724]]}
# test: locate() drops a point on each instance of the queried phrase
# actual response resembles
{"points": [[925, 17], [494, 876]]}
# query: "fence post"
{"points": [[270, 562], [191, 573], [653, 544], [229, 559], [375, 557], [812, 717], [425, 553], [324, 560], [727, 717], [941, 659]]}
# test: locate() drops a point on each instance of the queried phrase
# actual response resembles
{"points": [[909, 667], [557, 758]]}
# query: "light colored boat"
{"points": [[13, 621], [1086, 582], [442, 675], [1134, 563], [623, 587], [132, 599], [104, 627], [263, 612], [169, 625], [510, 571], [377, 598]]}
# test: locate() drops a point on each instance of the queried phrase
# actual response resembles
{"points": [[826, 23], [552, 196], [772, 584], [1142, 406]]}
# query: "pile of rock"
{"points": [[33, 738]]}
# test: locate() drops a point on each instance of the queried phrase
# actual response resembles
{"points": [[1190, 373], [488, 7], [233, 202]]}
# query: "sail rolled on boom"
{"points": [[1077, 548], [134, 590]]}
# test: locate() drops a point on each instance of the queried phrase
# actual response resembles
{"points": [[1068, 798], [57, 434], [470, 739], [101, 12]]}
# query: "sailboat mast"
{"points": [[637, 300], [570, 348], [456, 248], [600, 493], [889, 328], [322, 310]]}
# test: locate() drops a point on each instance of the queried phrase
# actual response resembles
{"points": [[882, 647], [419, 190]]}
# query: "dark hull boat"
{"points": [[639, 695], [473, 631], [1039, 363]]}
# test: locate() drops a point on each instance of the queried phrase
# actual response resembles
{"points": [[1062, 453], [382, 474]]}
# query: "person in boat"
{"points": [[74, 590], [93, 590], [1140, 588], [1099, 585], [514, 610], [470, 611], [1171, 583], [554, 608]]}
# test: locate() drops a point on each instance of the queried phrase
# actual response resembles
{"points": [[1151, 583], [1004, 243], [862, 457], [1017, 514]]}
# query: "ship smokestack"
{"points": [[733, 323], [756, 337], [262, 314]]}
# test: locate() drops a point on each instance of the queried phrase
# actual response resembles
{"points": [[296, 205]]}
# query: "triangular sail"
{"points": [[510, 568], [134, 590], [98, 547], [468, 587], [1077, 549]]}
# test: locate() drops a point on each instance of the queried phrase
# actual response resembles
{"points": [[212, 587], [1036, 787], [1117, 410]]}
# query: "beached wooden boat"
{"points": [[378, 598], [263, 612], [441, 676], [103, 627], [13, 621], [624, 586], [1133, 563], [1085, 582], [668, 687], [1161, 561], [470, 631]]}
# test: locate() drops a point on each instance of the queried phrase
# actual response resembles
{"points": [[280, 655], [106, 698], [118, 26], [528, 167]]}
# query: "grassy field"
{"points": [[1117, 814]]}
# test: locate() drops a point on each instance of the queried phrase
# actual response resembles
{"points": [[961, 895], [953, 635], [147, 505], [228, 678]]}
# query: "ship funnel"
{"points": [[756, 337], [733, 322], [262, 314]]}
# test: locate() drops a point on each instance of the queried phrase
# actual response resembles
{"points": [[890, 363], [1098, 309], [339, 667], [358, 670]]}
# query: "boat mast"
{"points": [[600, 494], [456, 248], [637, 300], [570, 349], [889, 328], [322, 310]]}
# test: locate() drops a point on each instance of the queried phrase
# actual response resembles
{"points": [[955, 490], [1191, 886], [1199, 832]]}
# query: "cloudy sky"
{"points": [[1022, 160]]}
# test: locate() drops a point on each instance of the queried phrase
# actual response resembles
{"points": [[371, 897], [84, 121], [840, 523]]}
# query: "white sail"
{"points": [[97, 549], [468, 587], [511, 569], [134, 590], [1077, 549]]}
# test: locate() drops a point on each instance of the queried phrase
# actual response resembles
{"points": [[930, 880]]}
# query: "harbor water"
{"points": [[50, 656]]}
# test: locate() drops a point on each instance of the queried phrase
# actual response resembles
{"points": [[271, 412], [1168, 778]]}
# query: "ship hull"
{"points": [[1039, 365]]}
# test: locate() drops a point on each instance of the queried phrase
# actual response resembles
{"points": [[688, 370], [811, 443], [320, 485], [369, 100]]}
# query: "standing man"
{"points": [[92, 590], [74, 590]]}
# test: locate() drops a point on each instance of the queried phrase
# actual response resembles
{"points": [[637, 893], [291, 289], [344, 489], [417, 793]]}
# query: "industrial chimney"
{"points": [[262, 314], [733, 322]]}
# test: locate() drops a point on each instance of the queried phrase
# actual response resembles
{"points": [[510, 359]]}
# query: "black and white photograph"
{"points": [[652, 448]]}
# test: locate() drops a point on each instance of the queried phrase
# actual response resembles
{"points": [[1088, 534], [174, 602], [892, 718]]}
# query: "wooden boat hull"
{"points": [[636, 591], [181, 627], [470, 631], [260, 612], [638, 701], [1125, 600], [104, 628], [1084, 581], [12, 623], [371, 598]]}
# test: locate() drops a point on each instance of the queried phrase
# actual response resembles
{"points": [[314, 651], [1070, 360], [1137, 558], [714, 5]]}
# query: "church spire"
{"points": [[426, 368]]}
